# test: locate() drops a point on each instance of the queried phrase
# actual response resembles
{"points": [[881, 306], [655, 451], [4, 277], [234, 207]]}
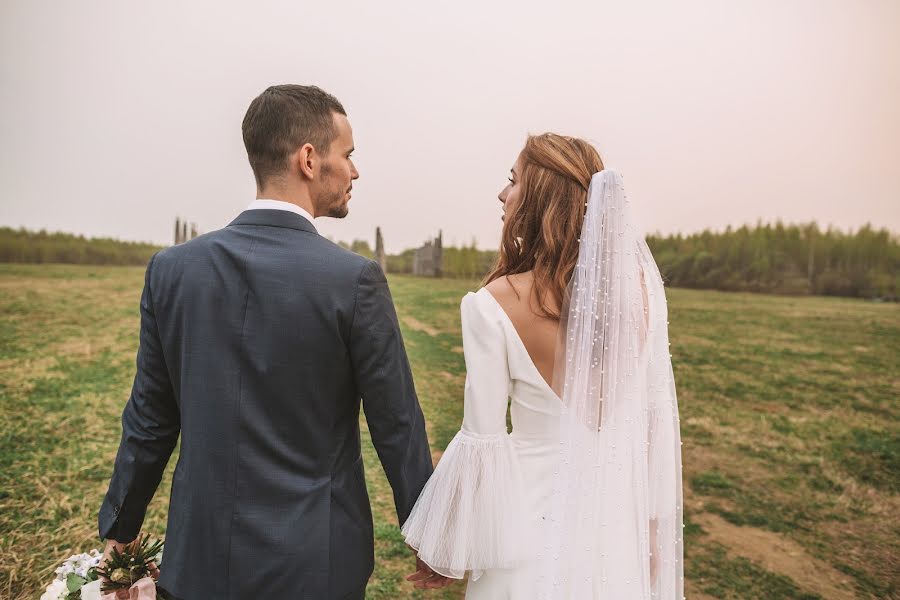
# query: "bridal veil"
{"points": [[615, 526]]}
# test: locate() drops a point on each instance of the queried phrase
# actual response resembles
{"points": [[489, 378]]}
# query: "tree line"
{"points": [[23, 246], [783, 259], [780, 259], [772, 258]]}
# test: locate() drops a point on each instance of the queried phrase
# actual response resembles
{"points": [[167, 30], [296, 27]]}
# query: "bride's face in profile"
{"points": [[510, 195]]}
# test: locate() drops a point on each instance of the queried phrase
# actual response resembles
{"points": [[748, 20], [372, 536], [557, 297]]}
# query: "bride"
{"points": [[582, 499]]}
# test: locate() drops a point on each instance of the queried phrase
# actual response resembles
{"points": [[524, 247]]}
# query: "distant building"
{"points": [[181, 231], [428, 261]]}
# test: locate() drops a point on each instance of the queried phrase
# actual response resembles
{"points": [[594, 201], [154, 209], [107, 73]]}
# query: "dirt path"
{"points": [[417, 325], [779, 555]]}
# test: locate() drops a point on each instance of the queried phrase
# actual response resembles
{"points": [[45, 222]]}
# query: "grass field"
{"points": [[789, 418]]}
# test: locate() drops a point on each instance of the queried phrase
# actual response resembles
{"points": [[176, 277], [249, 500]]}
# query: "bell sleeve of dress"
{"points": [[470, 516]]}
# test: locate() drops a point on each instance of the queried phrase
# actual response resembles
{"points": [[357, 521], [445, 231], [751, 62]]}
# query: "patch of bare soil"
{"points": [[778, 555], [417, 325]]}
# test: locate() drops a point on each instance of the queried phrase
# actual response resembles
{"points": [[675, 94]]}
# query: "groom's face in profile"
{"points": [[337, 172]]}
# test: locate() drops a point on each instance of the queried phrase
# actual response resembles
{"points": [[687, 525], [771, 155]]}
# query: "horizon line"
{"points": [[759, 223]]}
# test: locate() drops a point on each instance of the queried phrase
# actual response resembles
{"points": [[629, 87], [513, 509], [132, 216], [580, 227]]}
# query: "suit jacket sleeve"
{"points": [[385, 383], [150, 428]]}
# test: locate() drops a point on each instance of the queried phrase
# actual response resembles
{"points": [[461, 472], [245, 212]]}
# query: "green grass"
{"points": [[788, 407]]}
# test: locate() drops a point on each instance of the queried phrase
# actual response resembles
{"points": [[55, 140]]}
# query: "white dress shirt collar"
{"points": [[264, 204]]}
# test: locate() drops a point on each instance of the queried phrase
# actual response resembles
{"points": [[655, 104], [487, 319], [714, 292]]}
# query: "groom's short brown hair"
{"points": [[283, 118]]}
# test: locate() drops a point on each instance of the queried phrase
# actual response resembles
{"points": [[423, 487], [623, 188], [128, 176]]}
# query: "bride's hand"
{"points": [[426, 578]]}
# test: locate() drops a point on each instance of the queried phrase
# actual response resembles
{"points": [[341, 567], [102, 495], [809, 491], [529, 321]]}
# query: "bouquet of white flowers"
{"points": [[81, 577], [76, 579]]}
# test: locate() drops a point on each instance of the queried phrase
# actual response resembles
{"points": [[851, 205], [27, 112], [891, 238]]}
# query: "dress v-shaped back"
{"points": [[515, 338]]}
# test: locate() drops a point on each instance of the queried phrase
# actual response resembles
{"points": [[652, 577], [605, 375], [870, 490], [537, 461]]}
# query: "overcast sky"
{"points": [[118, 116]]}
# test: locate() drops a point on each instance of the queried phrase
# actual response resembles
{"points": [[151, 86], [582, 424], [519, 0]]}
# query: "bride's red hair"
{"points": [[541, 235]]}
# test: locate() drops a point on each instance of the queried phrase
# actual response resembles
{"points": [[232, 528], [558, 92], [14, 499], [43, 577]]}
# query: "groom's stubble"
{"points": [[333, 195]]}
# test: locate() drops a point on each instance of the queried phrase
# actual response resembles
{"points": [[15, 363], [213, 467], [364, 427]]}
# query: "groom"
{"points": [[257, 342]]}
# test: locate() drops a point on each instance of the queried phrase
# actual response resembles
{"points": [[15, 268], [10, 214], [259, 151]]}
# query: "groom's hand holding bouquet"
{"points": [[124, 570], [129, 570]]}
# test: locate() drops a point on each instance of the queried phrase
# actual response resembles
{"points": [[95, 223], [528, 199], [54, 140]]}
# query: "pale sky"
{"points": [[118, 116]]}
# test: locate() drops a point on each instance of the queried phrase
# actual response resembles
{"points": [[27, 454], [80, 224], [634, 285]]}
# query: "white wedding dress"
{"points": [[489, 497], [582, 499]]}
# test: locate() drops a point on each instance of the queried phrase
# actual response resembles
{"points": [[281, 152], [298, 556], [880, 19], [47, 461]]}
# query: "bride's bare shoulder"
{"points": [[511, 290]]}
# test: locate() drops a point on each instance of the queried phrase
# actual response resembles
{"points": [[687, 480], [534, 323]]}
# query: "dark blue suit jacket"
{"points": [[257, 343]]}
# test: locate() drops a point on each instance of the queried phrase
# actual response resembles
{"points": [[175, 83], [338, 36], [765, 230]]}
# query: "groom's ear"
{"points": [[304, 161]]}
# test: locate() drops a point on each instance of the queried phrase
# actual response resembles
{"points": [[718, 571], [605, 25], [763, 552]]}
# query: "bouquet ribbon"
{"points": [[142, 589]]}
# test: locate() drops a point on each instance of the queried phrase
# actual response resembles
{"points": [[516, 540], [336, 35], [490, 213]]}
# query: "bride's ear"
{"points": [[303, 161]]}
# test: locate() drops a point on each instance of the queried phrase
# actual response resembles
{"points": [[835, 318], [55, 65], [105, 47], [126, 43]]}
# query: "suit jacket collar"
{"points": [[274, 218]]}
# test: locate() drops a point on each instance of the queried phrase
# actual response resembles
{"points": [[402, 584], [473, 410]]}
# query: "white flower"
{"points": [[55, 591], [91, 591], [64, 570], [79, 564]]}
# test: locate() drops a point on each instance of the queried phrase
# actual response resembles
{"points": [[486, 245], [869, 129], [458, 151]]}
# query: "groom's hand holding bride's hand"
{"points": [[426, 578]]}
